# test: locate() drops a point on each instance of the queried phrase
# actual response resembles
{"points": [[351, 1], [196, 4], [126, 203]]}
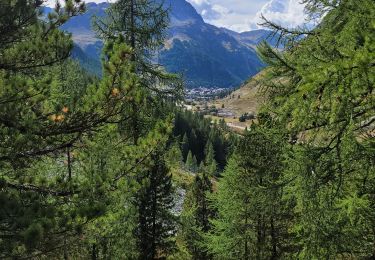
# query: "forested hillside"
{"points": [[116, 168]]}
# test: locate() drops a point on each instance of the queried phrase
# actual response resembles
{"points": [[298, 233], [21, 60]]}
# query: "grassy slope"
{"points": [[250, 101]]}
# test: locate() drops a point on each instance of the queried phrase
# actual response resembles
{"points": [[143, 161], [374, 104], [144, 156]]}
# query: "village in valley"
{"points": [[237, 107]]}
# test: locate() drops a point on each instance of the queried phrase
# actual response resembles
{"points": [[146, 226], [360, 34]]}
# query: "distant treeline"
{"points": [[195, 133]]}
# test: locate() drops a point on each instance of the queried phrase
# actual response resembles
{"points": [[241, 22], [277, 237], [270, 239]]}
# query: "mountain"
{"points": [[205, 55], [81, 29], [87, 47], [253, 38]]}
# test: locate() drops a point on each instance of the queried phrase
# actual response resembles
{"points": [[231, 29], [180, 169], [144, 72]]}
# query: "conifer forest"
{"points": [[115, 167]]}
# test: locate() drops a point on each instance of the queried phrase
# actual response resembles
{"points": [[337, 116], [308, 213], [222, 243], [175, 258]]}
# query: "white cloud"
{"points": [[233, 14], [198, 2], [288, 13], [244, 15]]}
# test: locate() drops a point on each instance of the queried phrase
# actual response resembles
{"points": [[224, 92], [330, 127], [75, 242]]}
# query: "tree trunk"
{"points": [[93, 255], [259, 236], [154, 212], [273, 240], [132, 26], [133, 58], [66, 257], [69, 164], [246, 253]]}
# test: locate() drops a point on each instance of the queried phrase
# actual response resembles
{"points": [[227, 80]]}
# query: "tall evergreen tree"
{"points": [[209, 164], [174, 155], [185, 147], [191, 162], [194, 143], [196, 216], [251, 221], [142, 23], [50, 195], [322, 90], [156, 224], [220, 145]]}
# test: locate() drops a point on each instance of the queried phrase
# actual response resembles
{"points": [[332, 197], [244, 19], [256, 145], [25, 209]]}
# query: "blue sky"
{"points": [[243, 15]]}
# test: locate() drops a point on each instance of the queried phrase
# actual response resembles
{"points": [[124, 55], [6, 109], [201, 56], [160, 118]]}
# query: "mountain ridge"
{"points": [[205, 55]]}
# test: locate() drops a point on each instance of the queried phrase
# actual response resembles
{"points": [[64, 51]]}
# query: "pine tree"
{"points": [[191, 162], [194, 165], [220, 146], [174, 156], [48, 121], [209, 164], [22, 29], [185, 147], [194, 143], [156, 223]]}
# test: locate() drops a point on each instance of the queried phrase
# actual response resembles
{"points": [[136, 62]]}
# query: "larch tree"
{"points": [[321, 88], [143, 25], [196, 215], [251, 218]]}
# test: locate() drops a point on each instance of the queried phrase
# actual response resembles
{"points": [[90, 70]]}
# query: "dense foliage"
{"points": [[252, 219], [197, 136], [112, 168], [307, 193], [67, 159]]}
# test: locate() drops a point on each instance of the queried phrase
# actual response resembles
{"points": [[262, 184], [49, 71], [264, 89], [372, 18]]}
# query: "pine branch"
{"points": [[37, 189]]}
